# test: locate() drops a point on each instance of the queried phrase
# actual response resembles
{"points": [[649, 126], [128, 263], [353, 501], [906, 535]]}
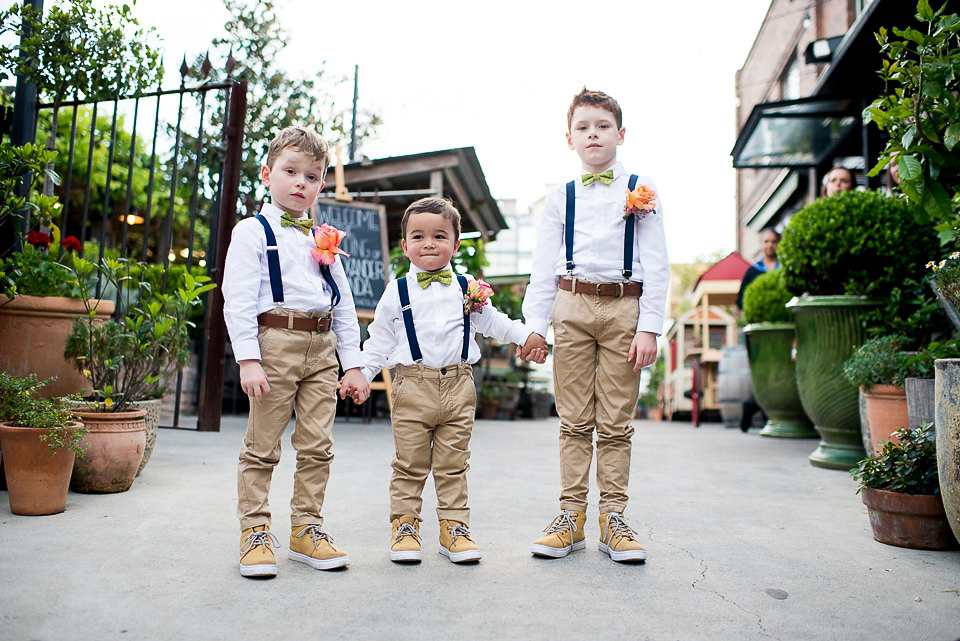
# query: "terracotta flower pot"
{"points": [[886, 409], [115, 443], [35, 330], [915, 521], [37, 481]]}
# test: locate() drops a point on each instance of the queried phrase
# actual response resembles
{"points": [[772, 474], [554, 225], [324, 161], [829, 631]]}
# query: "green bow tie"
{"points": [[443, 276], [606, 177], [303, 224]]}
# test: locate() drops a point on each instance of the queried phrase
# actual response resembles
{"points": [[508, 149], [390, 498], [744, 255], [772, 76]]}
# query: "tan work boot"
{"points": [[619, 541], [455, 542], [405, 541], [256, 557], [310, 545], [563, 536]]}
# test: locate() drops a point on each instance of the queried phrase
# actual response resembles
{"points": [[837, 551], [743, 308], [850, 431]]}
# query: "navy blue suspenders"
{"points": [[273, 264], [627, 232], [411, 330]]}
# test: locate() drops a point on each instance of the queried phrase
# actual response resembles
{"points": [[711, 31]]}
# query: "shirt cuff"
{"points": [[537, 327], [246, 350], [350, 358], [650, 323]]}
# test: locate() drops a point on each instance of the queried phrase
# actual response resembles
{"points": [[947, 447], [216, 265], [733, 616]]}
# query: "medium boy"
{"points": [[289, 315], [425, 325], [601, 273]]}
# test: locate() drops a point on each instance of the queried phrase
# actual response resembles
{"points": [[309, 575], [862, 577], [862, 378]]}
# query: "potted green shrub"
{"points": [[127, 359], [769, 336], [900, 487], [842, 256], [38, 298], [39, 438], [879, 368]]}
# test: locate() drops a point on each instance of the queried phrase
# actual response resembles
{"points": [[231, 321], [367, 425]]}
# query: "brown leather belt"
{"points": [[289, 321], [616, 290]]}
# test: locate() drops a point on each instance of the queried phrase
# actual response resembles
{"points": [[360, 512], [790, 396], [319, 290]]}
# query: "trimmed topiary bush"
{"points": [[765, 299], [859, 243]]}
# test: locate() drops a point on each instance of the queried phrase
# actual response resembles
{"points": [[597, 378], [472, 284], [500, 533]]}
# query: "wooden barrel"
{"points": [[734, 387]]}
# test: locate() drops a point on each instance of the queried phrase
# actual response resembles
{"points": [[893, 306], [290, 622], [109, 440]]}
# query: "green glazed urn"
{"points": [[828, 330], [774, 375]]}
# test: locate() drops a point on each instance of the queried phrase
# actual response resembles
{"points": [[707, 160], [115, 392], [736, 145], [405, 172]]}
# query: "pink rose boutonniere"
{"points": [[328, 240], [639, 203], [478, 294]]}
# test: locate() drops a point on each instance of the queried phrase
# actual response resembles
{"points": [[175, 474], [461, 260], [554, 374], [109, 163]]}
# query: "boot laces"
{"points": [[619, 528], [259, 537], [316, 534], [407, 529], [459, 529], [562, 523]]}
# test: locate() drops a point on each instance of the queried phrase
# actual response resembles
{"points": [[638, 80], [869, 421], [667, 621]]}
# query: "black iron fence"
{"points": [[155, 178]]}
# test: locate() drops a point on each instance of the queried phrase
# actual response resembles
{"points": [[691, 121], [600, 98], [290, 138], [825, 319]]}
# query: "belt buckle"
{"points": [[619, 290], [320, 324]]}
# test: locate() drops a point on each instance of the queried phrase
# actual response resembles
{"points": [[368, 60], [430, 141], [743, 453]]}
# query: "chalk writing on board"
{"points": [[365, 242]]}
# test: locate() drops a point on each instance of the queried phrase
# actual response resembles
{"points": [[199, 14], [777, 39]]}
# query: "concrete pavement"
{"points": [[746, 540]]}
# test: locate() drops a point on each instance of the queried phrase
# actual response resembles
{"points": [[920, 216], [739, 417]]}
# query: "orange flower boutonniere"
{"points": [[640, 203], [478, 294], [328, 240]]}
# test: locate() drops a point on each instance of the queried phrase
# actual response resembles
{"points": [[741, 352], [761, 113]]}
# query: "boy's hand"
{"points": [[253, 380], [643, 350], [535, 349], [355, 385]]}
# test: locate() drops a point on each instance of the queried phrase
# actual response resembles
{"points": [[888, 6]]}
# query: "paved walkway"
{"points": [[746, 540]]}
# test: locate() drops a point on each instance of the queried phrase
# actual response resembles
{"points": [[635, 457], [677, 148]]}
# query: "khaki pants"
{"points": [[302, 370], [432, 418], [596, 390]]}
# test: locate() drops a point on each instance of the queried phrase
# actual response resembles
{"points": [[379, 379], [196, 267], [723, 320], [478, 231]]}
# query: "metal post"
{"points": [[24, 131], [353, 128], [211, 381]]}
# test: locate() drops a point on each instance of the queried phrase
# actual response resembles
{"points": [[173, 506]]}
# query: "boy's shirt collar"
{"points": [[272, 211], [617, 168], [414, 269]]}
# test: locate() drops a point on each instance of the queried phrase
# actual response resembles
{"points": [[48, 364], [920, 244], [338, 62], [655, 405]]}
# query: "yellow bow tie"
{"points": [[443, 276], [303, 224], [606, 177]]}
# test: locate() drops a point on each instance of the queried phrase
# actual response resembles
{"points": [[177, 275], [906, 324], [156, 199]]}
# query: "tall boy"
{"points": [[425, 325], [288, 316], [602, 273]]}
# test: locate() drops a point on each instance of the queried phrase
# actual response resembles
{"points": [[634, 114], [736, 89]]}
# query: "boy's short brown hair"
{"points": [[595, 99], [306, 140], [433, 205]]}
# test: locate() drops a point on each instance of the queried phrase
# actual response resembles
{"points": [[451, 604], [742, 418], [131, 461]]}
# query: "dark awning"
{"points": [[795, 133], [806, 132]]}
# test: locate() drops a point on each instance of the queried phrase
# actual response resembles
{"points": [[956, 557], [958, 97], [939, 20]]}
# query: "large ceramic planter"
{"points": [[921, 408], [914, 521], [35, 330], [37, 481], [828, 330], [886, 409], [114, 448], [947, 376], [152, 425], [774, 375]]}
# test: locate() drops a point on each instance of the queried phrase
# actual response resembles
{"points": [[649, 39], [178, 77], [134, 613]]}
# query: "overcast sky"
{"points": [[499, 75]]}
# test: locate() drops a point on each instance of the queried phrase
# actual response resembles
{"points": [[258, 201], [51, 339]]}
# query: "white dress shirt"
{"points": [[247, 293], [438, 318], [598, 249]]}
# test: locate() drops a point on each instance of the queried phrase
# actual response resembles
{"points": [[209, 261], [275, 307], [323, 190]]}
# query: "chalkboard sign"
{"points": [[366, 242]]}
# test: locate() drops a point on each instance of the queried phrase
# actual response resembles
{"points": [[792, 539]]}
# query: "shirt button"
{"points": [[443, 370]]}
